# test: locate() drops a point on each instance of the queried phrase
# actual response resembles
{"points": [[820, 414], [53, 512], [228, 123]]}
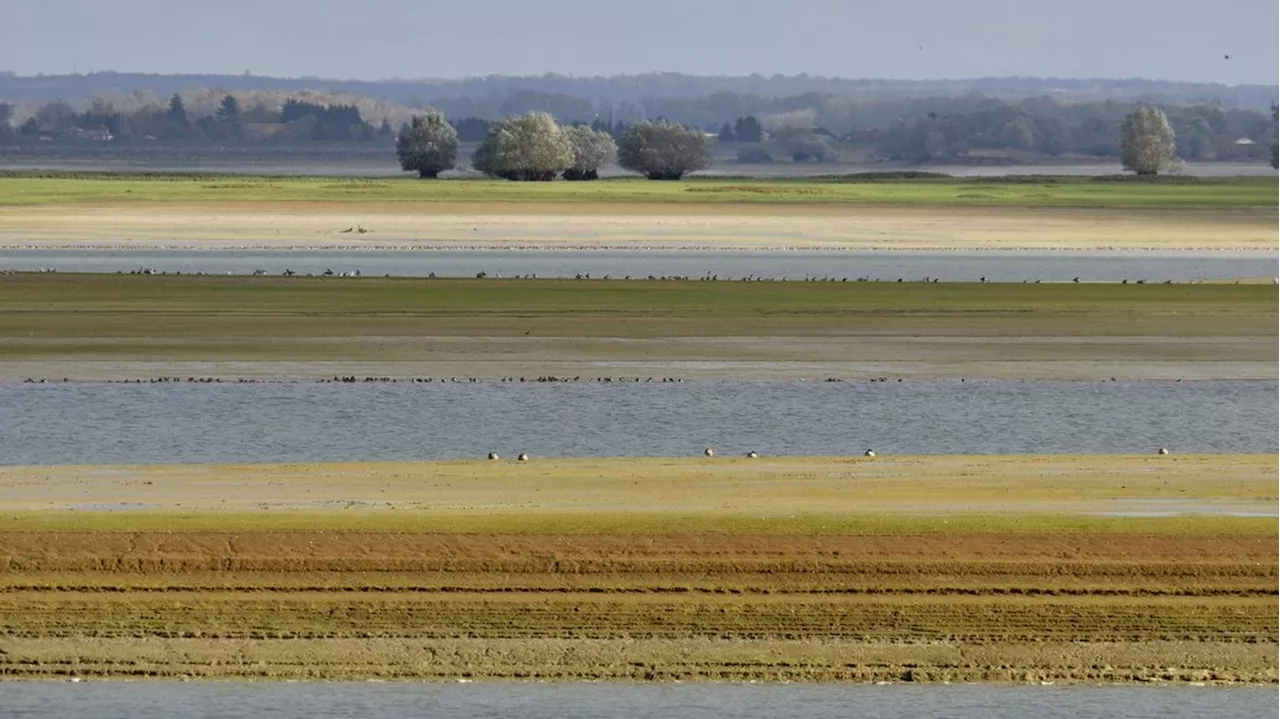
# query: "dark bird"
{"points": [[1226, 57]]}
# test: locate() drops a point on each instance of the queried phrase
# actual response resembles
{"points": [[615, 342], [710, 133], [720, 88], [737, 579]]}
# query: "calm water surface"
{"points": [[799, 264], [93, 423], [234, 700]]}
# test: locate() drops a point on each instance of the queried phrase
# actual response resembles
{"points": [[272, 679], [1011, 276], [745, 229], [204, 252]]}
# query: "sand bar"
{"points": [[598, 226]]}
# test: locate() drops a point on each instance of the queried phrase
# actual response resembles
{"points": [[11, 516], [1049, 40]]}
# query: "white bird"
{"points": [[869, 453], [1163, 450], [709, 452], [493, 455], [522, 457], [752, 455]]}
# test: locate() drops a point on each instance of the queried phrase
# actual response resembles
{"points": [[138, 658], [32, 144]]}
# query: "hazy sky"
{"points": [[915, 39]]}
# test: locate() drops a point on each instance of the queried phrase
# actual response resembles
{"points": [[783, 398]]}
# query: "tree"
{"points": [[804, 145], [1146, 142], [177, 113], [592, 149], [428, 144], [229, 110], [524, 147], [224, 126], [726, 134], [471, 129], [56, 117], [1275, 149], [6, 122], [748, 129], [1018, 134], [328, 122], [663, 151]]}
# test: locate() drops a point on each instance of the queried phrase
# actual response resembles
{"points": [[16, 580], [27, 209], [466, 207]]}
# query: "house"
{"points": [[95, 134]]}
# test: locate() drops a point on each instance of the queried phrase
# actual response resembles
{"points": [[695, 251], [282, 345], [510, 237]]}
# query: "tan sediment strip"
{"points": [[642, 659], [646, 569], [701, 658], [552, 225]]}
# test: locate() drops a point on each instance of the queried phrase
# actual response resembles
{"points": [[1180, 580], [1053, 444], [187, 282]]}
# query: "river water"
{"points": [[961, 266], [236, 700], [95, 423]]}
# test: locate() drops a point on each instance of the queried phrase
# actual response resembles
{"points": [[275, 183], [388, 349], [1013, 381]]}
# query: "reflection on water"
{"points": [[964, 266], [274, 422], [151, 700]]}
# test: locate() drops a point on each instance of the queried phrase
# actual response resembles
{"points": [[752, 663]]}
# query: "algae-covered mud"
{"points": [[138, 327], [1006, 569]]}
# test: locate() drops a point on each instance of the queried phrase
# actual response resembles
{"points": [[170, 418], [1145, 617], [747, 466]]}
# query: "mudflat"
{"points": [[1013, 569], [92, 327]]}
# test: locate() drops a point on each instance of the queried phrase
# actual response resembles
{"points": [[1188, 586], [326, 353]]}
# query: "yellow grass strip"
{"points": [[884, 494]]}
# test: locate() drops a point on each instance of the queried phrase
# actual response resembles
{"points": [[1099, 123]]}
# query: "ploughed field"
{"points": [[1015, 568], [141, 327]]}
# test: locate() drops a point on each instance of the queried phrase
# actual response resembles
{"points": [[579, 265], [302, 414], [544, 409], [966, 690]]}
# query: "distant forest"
{"points": [[760, 119]]}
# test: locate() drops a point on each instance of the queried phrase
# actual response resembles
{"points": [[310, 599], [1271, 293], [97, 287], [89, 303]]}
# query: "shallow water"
{"points": [[96, 423], [884, 266], [232, 700]]}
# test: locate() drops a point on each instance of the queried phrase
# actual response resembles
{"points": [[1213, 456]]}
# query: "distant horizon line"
{"points": [[654, 73]]}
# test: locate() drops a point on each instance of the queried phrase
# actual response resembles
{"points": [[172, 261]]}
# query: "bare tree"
{"points": [[524, 147], [663, 151], [592, 149], [427, 144], [1146, 142]]}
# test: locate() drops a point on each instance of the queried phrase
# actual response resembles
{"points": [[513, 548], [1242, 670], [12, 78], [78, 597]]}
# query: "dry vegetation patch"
{"points": [[879, 587]]}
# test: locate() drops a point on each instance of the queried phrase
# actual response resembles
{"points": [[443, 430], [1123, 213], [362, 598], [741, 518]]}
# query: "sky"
{"points": [[1186, 40]]}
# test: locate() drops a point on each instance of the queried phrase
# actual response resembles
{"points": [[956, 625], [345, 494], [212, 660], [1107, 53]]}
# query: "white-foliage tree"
{"points": [[427, 144], [524, 147], [1146, 142], [663, 151], [592, 149]]}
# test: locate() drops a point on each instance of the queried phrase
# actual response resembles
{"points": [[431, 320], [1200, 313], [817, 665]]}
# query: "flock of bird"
{"points": [[353, 379], [709, 277], [710, 452]]}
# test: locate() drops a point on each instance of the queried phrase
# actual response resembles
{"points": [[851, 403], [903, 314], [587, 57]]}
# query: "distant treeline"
{"points": [[296, 120], [811, 127], [639, 89]]}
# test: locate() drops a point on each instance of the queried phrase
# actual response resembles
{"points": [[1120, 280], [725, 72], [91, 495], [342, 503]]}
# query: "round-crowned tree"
{"points": [[663, 151], [427, 145], [524, 147], [1146, 142], [592, 149]]}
